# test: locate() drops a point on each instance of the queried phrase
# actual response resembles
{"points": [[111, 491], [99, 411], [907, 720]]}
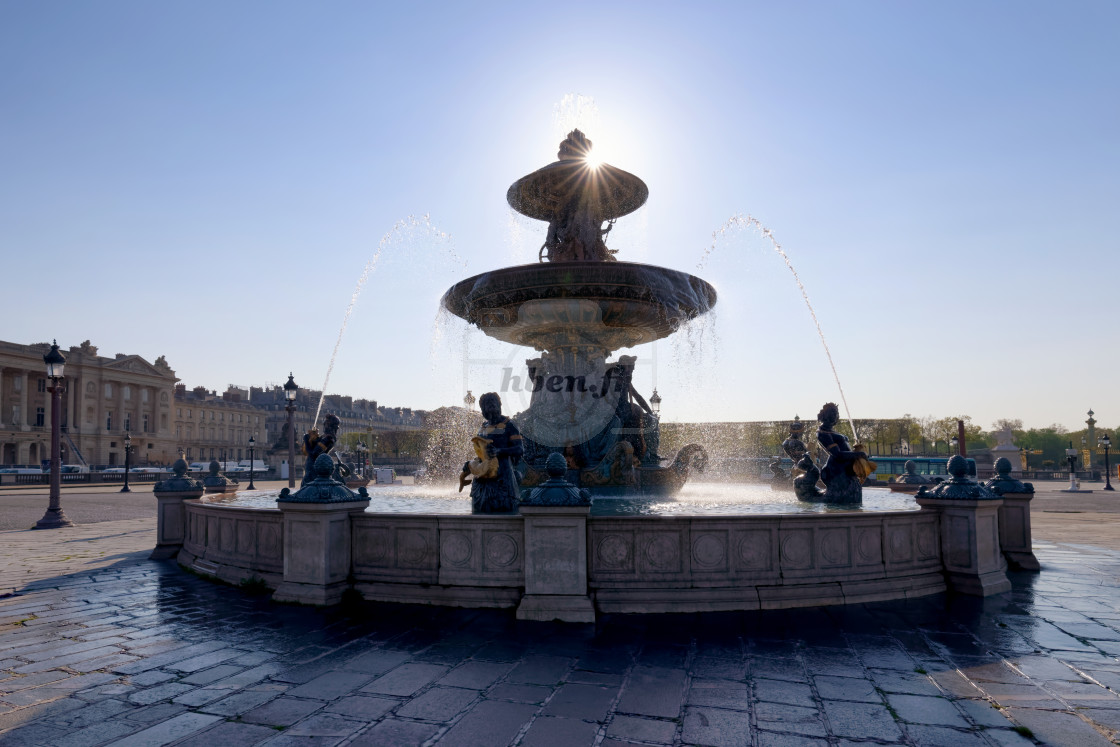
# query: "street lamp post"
{"points": [[655, 402], [54, 518], [127, 451], [1106, 443], [1071, 457], [953, 443], [252, 443], [290, 391]]}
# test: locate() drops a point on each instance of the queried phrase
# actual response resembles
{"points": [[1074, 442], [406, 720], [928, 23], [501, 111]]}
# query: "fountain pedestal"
{"points": [[970, 538], [317, 538], [1014, 517], [556, 565], [171, 514], [556, 550]]}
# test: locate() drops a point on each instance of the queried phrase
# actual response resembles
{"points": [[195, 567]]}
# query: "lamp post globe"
{"points": [[655, 402], [56, 368], [1106, 443], [954, 442], [291, 389], [252, 445]]}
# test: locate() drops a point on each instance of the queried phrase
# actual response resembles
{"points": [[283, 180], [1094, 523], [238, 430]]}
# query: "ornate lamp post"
{"points": [[362, 449], [290, 391], [1106, 443], [1071, 457], [252, 443], [127, 451], [54, 518], [655, 402], [953, 443]]}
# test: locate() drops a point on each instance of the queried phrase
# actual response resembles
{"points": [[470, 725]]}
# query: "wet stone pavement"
{"points": [[142, 653]]}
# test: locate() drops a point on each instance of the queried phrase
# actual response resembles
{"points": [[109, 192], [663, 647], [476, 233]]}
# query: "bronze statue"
{"points": [[494, 489], [315, 444], [844, 472]]}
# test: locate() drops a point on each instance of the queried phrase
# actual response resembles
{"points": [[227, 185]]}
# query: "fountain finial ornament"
{"points": [[577, 197], [958, 487]]}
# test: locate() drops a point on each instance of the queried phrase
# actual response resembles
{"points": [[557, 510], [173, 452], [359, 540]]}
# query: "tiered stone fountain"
{"points": [[577, 307]]}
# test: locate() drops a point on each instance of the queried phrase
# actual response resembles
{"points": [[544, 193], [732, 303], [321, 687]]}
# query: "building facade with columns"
{"points": [[212, 426], [103, 399]]}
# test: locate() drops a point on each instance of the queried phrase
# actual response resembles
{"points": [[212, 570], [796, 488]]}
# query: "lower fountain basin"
{"points": [[717, 547], [608, 305], [694, 499]]}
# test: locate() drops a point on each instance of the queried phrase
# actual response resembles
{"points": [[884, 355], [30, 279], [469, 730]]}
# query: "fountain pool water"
{"points": [[695, 498]]}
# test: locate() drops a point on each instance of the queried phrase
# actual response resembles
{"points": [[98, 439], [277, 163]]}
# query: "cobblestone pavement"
{"points": [[109, 647]]}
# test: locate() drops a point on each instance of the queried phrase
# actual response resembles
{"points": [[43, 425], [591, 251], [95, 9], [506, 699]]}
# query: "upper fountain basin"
{"points": [[607, 305], [604, 191]]}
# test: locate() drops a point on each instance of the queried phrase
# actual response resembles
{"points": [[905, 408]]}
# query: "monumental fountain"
{"points": [[588, 435], [577, 307]]}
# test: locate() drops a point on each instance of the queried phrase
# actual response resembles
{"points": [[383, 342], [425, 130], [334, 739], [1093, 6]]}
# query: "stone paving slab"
{"points": [[99, 645]]}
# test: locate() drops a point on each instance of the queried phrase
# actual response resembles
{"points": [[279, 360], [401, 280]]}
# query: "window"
{"points": [[211, 415], [179, 412], [42, 385], [144, 425], [91, 388], [163, 421], [222, 417], [143, 395], [178, 431], [108, 390], [127, 393], [188, 413], [188, 457], [128, 421], [17, 383], [90, 416], [108, 421], [212, 434], [190, 433], [40, 416]]}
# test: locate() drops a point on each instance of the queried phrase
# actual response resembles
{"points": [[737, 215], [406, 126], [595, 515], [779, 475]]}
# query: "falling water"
{"points": [[399, 228], [739, 222], [574, 111]]}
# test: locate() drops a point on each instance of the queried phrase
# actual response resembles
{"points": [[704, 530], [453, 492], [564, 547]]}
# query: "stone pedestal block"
{"points": [[556, 564], [1015, 531], [970, 548], [171, 522], [316, 551]]}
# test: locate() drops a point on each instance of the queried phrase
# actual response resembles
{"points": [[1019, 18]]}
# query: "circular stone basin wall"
{"points": [[634, 563]]}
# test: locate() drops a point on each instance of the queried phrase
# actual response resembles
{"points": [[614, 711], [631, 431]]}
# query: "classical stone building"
{"points": [[212, 426], [104, 398], [357, 415]]}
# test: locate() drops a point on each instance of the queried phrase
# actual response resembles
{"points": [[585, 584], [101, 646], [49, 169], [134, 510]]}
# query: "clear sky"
{"points": [[207, 181]]}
